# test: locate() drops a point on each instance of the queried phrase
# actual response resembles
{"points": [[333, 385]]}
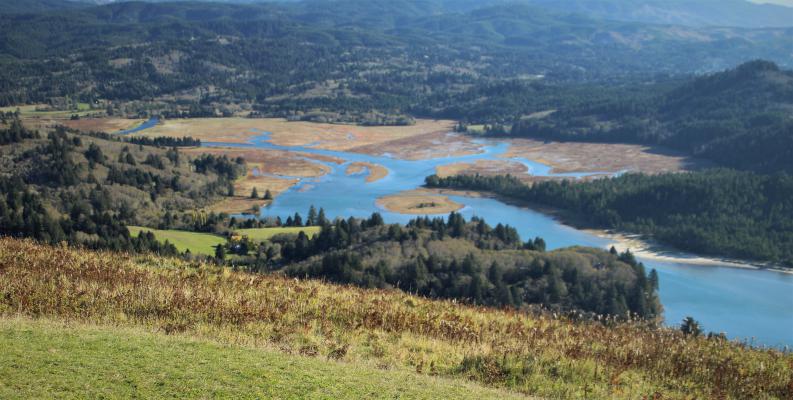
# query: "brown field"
{"points": [[286, 133], [582, 157], [419, 202], [425, 146], [374, 172], [108, 125], [426, 139], [45, 121], [225, 130], [482, 167], [271, 162]]}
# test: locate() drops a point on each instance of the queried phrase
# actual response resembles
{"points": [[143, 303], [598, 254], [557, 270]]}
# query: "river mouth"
{"points": [[755, 306]]}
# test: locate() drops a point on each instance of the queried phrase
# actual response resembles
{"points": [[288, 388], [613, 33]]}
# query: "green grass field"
{"points": [[197, 243], [263, 234], [204, 243], [30, 111], [44, 359]]}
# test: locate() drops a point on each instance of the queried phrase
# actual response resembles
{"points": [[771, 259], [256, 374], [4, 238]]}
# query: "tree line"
{"points": [[716, 212], [483, 265]]}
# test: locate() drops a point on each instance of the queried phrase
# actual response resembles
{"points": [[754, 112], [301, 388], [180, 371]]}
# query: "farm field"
{"points": [[197, 243], [40, 116], [263, 234], [50, 359]]}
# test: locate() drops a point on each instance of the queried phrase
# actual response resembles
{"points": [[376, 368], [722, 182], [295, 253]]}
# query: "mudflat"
{"points": [[567, 157], [419, 202], [374, 172]]}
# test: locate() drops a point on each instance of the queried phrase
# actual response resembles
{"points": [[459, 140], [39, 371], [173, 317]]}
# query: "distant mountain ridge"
{"points": [[734, 13], [695, 13]]}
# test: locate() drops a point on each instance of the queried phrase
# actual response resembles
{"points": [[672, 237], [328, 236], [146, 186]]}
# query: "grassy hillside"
{"points": [[196, 242], [387, 330], [45, 359], [204, 243]]}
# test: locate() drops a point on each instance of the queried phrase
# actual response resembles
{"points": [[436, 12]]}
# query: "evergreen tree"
{"points": [[690, 326], [312, 217], [220, 252], [321, 219]]}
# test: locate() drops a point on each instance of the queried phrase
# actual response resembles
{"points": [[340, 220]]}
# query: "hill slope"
{"points": [[739, 118], [395, 57], [740, 13], [131, 362], [539, 355]]}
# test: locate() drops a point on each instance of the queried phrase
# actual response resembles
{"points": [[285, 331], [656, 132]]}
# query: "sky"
{"points": [[788, 3]]}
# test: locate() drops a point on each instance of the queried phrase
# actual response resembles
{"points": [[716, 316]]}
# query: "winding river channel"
{"points": [[751, 305]]}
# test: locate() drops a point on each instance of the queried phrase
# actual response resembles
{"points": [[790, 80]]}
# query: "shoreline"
{"points": [[648, 249], [639, 246]]}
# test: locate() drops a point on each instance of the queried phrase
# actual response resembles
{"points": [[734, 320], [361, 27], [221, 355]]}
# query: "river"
{"points": [[750, 305]]}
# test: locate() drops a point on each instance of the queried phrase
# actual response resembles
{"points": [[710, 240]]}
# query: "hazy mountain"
{"points": [[33, 6], [737, 13]]}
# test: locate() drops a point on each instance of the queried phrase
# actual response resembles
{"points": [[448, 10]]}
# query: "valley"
{"points": [[543, 199], [300, 176]]}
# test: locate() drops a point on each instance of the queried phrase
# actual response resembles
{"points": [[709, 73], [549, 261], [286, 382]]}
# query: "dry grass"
{"points": [[271, 162], [374, 172], [535, 355], [109, 125], [437, 144], [324, 136], [224, 130], [482, 167], [425, 139], [567, 157]]}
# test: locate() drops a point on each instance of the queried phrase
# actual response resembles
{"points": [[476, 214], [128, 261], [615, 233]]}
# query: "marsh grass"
{"points": [[539, 355]]}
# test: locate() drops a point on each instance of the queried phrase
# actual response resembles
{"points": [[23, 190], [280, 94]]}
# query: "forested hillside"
{"points": [[735, 13], [86, 188], [739, 118], [65, 186], [393, 58], [717, 212], [741, 13], [469, 261]]}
